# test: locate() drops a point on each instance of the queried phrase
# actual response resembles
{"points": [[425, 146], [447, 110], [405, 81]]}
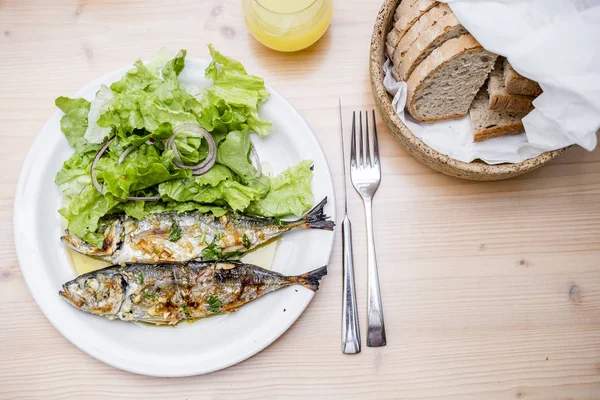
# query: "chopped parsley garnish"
{"points": [[278, 221], [246, 242], [202, 238], [155, 297], [212, 252], [214, 304], [186, 311], [140, 278], [175, 232], [146, 293]]}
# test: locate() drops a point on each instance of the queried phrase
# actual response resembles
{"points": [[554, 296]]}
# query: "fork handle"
{"points": [[350, 329], [376, 326]]}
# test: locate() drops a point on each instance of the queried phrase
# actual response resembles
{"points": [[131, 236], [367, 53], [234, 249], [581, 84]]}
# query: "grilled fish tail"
{"points": [[316, 218], [311, 279]]}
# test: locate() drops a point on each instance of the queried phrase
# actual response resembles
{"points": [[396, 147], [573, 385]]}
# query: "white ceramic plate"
{"points": [[187, 349]]}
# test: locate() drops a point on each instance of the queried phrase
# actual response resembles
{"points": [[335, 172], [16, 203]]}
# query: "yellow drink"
{"points": [[287, 25]]}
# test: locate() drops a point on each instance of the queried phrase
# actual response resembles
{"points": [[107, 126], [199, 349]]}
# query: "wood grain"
{"points": [[491, 290]]}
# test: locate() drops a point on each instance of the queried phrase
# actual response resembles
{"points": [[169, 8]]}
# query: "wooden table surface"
{"points": [[490, 290]]}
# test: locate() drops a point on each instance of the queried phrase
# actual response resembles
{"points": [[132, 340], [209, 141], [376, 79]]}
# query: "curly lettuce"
{"points": [[140, 111]]}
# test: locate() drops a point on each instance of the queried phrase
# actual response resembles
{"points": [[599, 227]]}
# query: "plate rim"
{"points": [[21, 205]]}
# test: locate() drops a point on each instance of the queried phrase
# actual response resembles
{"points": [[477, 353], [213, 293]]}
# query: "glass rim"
{"points": [[259, 2]]}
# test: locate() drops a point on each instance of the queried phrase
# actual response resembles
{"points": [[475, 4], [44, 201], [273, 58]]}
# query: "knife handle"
{"points": [[350, 328]]}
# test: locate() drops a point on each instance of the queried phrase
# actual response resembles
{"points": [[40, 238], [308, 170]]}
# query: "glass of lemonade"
{"points": [[287, 25]]}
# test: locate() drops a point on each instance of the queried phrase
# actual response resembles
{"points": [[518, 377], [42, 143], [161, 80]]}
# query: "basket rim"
{"points": [[476, 170]]}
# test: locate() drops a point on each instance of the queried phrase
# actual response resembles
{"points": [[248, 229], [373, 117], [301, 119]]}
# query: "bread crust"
{"points": [[447, 118], [518, 84], [510, 103], [391, 42], [497, 131], [408, 12], [389, 49]]}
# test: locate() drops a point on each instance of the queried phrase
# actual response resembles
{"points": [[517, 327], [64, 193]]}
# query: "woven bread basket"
{"points": [[476, 170]]}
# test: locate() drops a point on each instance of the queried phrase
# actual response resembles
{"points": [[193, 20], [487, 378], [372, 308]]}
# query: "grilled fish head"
{"points": [[99, 292], [113, 236]]}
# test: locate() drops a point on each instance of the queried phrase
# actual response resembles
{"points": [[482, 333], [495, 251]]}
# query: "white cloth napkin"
{"points": [[554, 42]]}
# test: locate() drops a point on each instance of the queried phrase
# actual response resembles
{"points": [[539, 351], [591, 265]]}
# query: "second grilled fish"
{"points": [[171, 237], [170, 293]]}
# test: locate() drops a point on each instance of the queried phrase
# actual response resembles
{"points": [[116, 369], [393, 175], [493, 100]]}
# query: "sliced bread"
{"points": [[426, 20], [518, 84], [488, 123], [408, 13], [391, 42], [408, 4], [500, 99], [407, 57], [389, 49], [444, 85]]}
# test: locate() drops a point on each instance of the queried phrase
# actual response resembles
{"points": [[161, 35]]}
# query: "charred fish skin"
{"points": [[171, 237], [167, 294]]}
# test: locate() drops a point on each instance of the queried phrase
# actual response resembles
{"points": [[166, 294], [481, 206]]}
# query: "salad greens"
{"points": [[140, 111]]}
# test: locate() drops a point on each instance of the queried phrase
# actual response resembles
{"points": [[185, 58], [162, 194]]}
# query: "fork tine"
{"points": [[375, 141], [353, 140], [367, 148], [361, 152]]}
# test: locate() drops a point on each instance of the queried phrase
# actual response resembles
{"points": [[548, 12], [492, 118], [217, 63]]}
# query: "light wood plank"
{"points": [[491, 290]]}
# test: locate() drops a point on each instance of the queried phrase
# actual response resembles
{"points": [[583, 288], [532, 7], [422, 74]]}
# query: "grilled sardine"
{"points": [[172, 237], [170, 293]]}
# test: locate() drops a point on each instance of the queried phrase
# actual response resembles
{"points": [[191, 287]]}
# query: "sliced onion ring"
{"points": [[95, 182], [256, 162], [196, 131], [153, 198], [125, 154], [101, 151]]}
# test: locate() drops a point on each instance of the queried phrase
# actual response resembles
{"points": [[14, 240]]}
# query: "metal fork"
{"points": [[365, 173]]}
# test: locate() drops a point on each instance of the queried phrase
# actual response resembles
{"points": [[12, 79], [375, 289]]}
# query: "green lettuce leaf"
{"points": [[101, 103], [143, 100], [229, 73], [138, 78], [143, 168], [215, 187], [84, 211], [234, 152], [140, 209], [290, 193], [75, 121], [235, 95], [74, 176], [141, 110]]}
